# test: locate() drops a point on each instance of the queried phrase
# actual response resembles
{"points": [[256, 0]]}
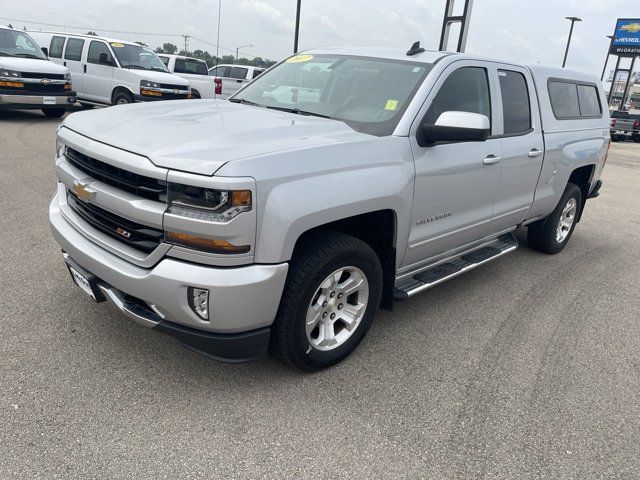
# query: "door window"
{"points": [[189, 66], [55, 48], [165, 60], [516, 106], [220, 72], [257, 72], [74, 49], [238, 72], [466, 90], [95, 50]]}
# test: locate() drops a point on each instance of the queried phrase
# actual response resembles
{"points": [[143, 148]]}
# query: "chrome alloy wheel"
{"points": [[337, 308], [566, 220]]}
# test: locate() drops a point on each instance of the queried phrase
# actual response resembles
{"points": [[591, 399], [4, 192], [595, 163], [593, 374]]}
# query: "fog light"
{"points": [[199, 302]]}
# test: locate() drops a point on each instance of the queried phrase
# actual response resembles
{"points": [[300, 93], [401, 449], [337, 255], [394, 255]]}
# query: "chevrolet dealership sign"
{"points": [[626, 42]]}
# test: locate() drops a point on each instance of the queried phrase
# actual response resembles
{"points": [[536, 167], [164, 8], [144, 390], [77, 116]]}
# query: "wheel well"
{"points": [[118, 90], [376, 229], [581, 177]]}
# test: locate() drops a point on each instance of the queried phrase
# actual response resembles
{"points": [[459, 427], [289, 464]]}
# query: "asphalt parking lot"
{"points": [[528, 367]]}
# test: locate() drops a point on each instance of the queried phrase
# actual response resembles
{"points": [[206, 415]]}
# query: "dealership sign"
{"points": [[626, 41]]}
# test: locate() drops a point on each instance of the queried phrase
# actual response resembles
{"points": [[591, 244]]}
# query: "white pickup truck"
{"points": [[291, 218], [192, 70], [231, 78]]}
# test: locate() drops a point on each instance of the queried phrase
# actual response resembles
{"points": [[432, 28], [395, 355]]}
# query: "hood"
{"points": [[32, 65], [159, 77], [200, 136]]}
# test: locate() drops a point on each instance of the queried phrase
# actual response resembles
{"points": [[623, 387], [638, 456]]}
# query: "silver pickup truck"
{"points": [[337, 182]]}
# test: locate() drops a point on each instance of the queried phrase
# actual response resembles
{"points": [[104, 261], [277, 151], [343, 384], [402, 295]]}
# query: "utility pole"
{"points": [[297, 31], [186, 43], [566, 52], [606, 60]]}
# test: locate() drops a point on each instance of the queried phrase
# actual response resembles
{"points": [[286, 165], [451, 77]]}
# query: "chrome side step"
{"points": [[452, 268]]}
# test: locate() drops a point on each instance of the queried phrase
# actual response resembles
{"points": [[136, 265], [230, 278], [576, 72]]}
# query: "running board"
{"points": [[445, 271]]}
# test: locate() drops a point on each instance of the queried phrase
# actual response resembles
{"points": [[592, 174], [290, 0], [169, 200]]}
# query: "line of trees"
{"points": [[171, 49]]}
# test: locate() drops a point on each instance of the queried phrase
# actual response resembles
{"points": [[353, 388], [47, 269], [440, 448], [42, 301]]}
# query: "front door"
{"points": [[98, 76], [455, 183]]}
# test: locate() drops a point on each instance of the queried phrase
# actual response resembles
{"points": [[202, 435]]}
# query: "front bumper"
{"points": [[13, 101], [242, 300]]}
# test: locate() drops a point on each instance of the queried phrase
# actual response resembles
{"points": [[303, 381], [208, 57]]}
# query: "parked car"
{"points": [[194, 71], [624, 124], [231, 78], [28, 80], [227, 224], [112, 72]]}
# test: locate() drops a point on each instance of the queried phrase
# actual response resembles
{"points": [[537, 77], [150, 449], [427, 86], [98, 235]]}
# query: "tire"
{"points": [[53, 112], [314, 262], [86, 106], [195, 94], [546, 235], [636, 138], [122, 98]]}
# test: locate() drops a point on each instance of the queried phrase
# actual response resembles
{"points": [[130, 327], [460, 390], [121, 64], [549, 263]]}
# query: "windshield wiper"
{"points": [[297, 111], [246, 102], [5, 54], [28, 55], [135, 67], [158, 69]]}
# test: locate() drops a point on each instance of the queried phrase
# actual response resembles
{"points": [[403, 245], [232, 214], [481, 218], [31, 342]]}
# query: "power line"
{"points": [[124, 32]]}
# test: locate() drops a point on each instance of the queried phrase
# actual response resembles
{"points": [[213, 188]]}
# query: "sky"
{"points": [[525, 31]]}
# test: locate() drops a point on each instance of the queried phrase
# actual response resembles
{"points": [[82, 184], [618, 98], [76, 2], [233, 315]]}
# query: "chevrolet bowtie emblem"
{"points": [[82, 191], [632, 27], [45, 81]]}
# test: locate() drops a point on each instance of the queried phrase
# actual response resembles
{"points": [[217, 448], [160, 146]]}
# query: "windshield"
{"points": [[369, 94], [137, 57], [14, 43]]}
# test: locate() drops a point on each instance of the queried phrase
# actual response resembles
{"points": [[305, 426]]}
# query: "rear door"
{"points": [[236, 78], [98, 76], [73, 61], [520, 131]]}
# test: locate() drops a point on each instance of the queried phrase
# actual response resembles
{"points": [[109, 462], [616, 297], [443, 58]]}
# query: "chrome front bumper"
{"points": [[241, 299], [61, 101]]}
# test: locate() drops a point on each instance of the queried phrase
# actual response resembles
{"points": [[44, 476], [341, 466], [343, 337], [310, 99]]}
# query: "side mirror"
{"points": [[104, 59], [45, 50], [455, 127]]}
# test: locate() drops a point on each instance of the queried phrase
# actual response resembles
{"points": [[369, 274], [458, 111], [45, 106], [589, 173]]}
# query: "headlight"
{"points": [[67, 76], [9, 73], [148, 84], [8, 79], [207, 204]]}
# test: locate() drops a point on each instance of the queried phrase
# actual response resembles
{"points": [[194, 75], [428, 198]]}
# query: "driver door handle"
{"points": [[492, 160], [534, 152]]}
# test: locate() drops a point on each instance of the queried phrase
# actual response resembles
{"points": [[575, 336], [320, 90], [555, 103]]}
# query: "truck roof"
{"points": [[82, 35], [173, 55]]}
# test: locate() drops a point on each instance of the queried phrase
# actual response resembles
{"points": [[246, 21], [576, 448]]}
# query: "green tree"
{"points": [[90, 32], [169, 48]]}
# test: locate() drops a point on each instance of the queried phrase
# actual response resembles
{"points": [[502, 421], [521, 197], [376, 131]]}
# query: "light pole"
{"points": [[566, 52], [297, 31], [606, 60], [238, 49]]}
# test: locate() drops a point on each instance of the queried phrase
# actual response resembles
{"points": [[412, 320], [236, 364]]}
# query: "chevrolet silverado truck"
{"points": [[28, 80], [624, 124], [287, 219]]}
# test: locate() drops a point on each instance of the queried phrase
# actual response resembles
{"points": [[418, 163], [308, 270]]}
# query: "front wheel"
{"points": [[122, 98], [553, 233], [332, 292], [53, 112]]}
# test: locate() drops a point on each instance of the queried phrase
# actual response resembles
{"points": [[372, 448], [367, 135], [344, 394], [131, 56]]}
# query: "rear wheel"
{"points": [[553, 233], [332, 292], [636, 138], [122, 98], [195, 94], [53, 112]]}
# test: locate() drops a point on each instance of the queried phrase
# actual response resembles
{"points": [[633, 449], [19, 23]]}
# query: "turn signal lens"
{"points": [[67, 86], [151, 93], [11, 84], [241, 198], [205, 244]]}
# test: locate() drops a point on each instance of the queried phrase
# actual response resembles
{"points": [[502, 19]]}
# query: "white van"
{"points": [[194, 71], [28, 80], [231, 78], [109, 72]]}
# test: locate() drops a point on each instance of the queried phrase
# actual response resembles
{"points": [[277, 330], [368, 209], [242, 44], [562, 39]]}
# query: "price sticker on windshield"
{"points": [[299, 58], [391, 105], [117, 45]]}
